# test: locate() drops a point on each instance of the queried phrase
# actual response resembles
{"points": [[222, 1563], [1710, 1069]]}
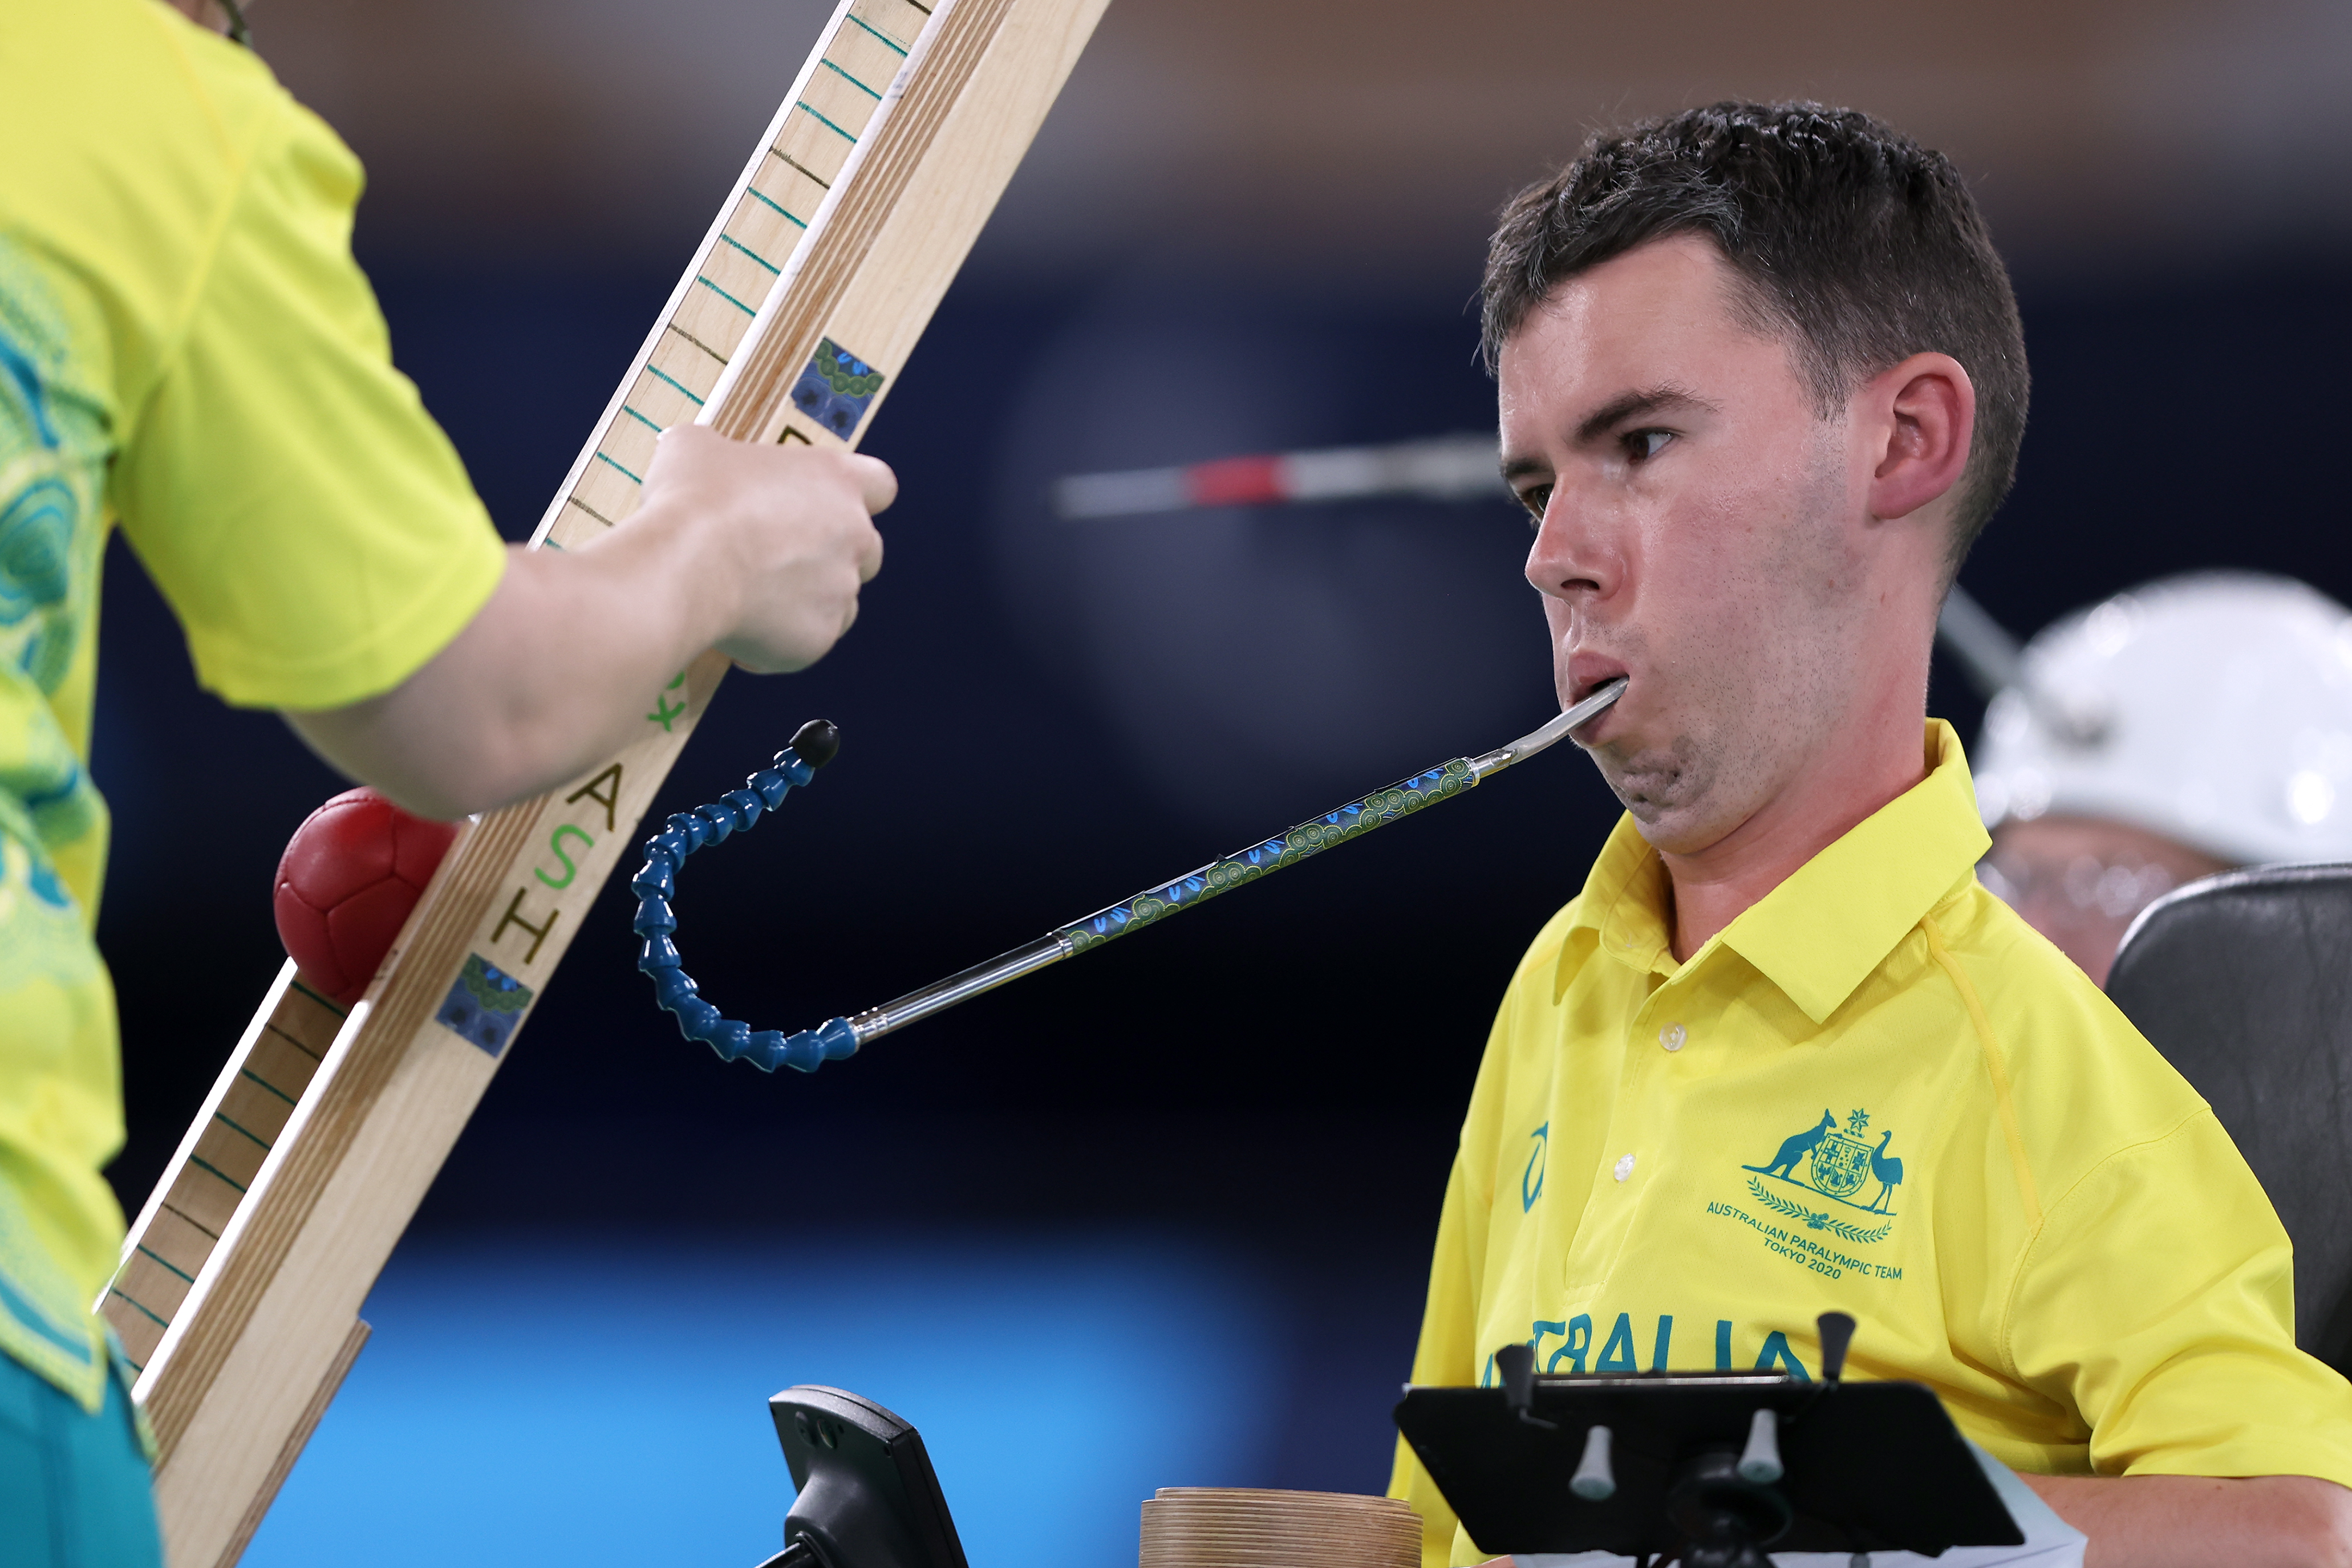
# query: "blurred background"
{"points": [[1161, 1217]]}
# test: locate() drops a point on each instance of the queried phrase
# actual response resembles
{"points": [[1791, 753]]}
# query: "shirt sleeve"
{"points": [[1447, 1356], [2159, 1299], [311, 525]]}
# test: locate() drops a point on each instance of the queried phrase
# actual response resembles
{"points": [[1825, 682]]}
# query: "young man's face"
{"points": [[1701, 532]]}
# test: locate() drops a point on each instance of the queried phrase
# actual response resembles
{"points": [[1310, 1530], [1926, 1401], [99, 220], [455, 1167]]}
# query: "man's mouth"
{"points": [[1587, 672], [1587, 714]]}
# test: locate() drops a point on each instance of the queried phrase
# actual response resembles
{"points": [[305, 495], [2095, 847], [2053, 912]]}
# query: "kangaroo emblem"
{"points": [[1784, 1164]]}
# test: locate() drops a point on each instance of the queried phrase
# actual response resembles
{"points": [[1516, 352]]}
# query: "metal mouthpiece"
{"points": [[1527, 745]]}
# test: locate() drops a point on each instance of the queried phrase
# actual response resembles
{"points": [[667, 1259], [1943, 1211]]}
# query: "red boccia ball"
{"points": [[349, 875]]}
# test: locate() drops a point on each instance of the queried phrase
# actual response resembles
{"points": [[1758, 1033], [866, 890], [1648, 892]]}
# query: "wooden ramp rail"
{"points": [[240, 1285]]}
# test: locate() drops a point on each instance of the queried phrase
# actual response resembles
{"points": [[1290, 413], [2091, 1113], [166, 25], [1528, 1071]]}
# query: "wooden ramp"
{"points": [[241, 1282]]}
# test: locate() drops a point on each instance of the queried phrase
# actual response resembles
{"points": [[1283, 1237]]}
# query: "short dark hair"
{"points": [[1856, 244]]}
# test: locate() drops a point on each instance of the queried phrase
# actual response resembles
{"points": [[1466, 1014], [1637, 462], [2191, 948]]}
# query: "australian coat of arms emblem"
{"points": [[1840, 1163]]}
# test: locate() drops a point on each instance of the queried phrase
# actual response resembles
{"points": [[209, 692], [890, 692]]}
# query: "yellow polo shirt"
{"points": [[187, 350], [1877, 1090]]}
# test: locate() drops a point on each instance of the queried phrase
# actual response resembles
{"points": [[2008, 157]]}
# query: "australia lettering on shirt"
{"points": [[1569, 1339], [1822, 1201]]}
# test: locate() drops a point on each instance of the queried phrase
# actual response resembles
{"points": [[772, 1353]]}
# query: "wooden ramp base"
{"points": [[296, 1441]]}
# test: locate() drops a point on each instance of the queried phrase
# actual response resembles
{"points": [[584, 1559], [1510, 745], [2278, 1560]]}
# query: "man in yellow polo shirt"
{"points": [[1762, 381], [187, 350]]}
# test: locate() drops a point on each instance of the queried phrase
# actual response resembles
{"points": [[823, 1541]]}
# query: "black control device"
{"points": [[867, 1496], [1706, 1469]]}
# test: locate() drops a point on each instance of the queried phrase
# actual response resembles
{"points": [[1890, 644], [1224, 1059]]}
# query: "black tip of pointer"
{"points": [[1837, 1333], [817, 742]]}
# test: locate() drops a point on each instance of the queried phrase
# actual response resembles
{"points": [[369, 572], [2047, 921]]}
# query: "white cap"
{"points": [[2215, 709]]}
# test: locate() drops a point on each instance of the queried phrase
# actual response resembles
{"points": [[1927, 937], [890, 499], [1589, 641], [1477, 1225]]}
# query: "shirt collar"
{"points": [[1820, 934], [1624, 902]]}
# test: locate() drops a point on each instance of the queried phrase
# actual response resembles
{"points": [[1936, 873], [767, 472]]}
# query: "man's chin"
{"points": [[1667, 831], [1666, 800], [1687, 826], [1647, 785]]}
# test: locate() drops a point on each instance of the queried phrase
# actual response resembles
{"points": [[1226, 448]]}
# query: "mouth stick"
{"points": [[840, 1037]]}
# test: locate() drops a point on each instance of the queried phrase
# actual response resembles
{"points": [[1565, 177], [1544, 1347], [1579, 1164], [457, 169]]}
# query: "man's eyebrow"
{"points": [[1617, 411], [1633, 405]]}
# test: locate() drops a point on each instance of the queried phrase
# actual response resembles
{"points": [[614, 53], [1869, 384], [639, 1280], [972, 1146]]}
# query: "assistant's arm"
{"points": [[755, 551], [2196, 1521]]}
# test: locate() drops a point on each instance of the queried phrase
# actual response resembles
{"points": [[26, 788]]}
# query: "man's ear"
{"points": [[1922, 413]]}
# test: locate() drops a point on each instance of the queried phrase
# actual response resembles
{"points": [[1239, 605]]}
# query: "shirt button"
{"points": [[1624, 1166], [1672, 1037]]}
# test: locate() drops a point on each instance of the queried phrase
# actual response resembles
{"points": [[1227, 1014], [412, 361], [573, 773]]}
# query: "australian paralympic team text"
{"points": [[1804, 1249]]}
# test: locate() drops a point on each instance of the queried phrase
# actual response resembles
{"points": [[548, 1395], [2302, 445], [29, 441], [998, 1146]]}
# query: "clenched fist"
{"points": [[758, 552], [786, 534]]}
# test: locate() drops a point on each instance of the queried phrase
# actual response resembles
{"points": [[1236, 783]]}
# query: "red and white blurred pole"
{"points": [[1446, 468], [1464, 468]]}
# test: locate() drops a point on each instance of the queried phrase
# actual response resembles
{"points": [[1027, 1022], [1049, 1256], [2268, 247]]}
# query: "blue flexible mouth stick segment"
{"points": [[815, 744]]}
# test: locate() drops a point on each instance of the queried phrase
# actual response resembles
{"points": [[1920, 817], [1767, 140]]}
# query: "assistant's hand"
{"points": [[756, 550], [789, 529]]}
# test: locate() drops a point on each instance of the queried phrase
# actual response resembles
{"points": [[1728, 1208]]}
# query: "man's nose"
{"points": [[1571, 559]]}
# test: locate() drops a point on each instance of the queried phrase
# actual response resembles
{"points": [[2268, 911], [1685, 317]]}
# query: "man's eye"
{"points": [[1534, 499], [1642, 444]]}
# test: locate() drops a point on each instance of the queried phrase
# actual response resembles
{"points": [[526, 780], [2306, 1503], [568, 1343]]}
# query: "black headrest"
{"points": [[2245, 982]]}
